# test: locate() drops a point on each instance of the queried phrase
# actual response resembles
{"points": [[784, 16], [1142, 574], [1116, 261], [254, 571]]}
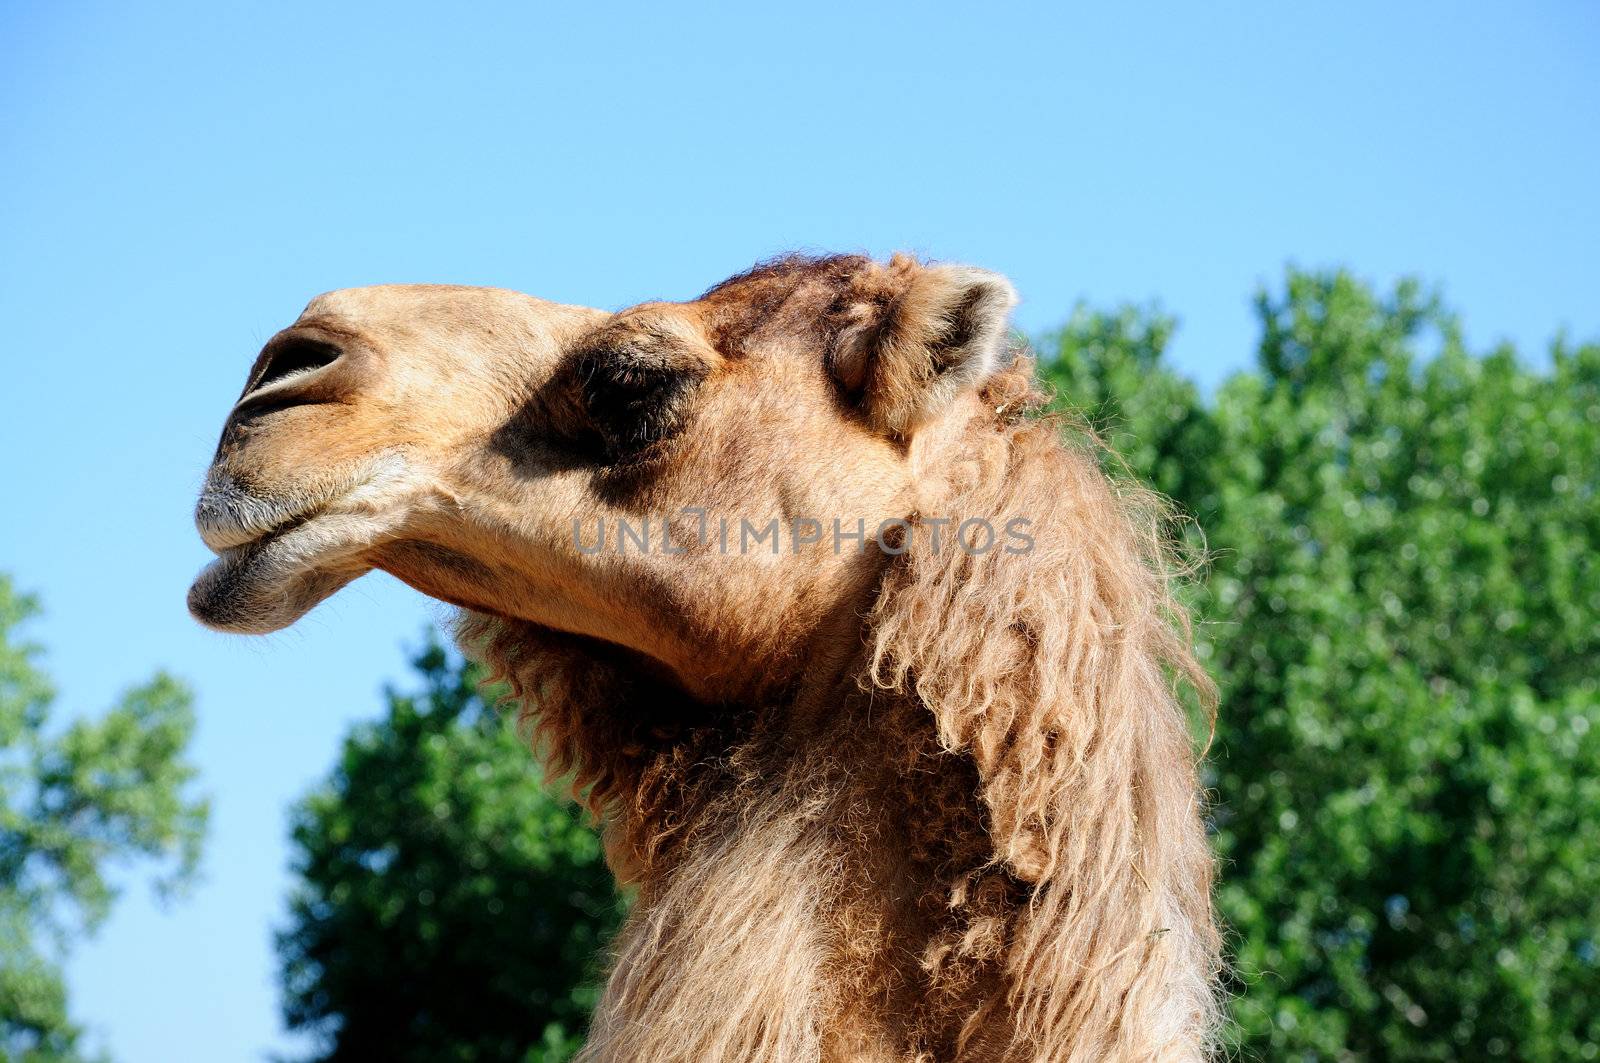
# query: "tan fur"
{"points": [[933, 806]]}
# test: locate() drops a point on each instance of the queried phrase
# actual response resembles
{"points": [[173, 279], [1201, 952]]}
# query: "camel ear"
{"points": [[915, 337]]}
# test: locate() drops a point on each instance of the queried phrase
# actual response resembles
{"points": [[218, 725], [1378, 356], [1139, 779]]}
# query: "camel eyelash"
{"points": [[633, 401]]}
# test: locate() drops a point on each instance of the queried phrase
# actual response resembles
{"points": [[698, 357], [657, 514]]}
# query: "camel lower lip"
{"points": [[231, 590]]}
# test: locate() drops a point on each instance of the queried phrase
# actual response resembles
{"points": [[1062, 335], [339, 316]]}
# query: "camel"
{"points": [[870, 673]]}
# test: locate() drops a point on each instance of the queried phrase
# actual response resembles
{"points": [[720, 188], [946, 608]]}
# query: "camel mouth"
{"points": [[276, 560], [269, 582]]}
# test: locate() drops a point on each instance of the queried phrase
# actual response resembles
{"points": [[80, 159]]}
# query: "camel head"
{"points": [[612, 475]]}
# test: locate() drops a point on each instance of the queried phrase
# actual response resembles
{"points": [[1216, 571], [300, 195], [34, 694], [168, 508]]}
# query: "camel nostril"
{"points": [[295, 357]]}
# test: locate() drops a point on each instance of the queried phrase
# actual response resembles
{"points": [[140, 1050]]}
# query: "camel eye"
{"points": [[633, 401]]}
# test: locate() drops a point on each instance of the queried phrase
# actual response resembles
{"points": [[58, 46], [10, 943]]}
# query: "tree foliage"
{"points": [[449, 908], [73, 801], [1403, 612]]}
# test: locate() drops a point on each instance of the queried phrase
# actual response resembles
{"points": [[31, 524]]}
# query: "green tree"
{"points": [[1403, 612], [450, 908], [72, 801]]}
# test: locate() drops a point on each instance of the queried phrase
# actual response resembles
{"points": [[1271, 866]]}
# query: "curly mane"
{"points": [[989, 849], [1054, 672]]}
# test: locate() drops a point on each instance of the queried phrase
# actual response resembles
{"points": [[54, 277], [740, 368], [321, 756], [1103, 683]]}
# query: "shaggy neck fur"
{"points": [[987, 846]]}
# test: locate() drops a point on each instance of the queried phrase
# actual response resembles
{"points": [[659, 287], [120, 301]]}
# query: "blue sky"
{"points": [[177, 180]]}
